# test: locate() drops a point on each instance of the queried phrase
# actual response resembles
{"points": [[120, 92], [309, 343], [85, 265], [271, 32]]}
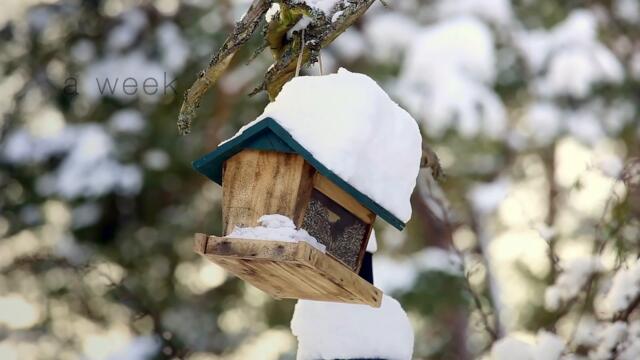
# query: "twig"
{"points": [[478, 226], [299, 63], [430, 160], [128, 297], [439, 228], [484, 317], [320, 63], [598, 248], [583, 309], [552, 209], [624, 314]]}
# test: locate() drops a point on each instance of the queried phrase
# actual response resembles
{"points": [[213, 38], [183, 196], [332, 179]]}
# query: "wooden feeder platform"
{"points": [[288, 270]]}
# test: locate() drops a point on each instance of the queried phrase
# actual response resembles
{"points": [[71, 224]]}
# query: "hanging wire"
{"points": [[320, 62], [299, 64]]}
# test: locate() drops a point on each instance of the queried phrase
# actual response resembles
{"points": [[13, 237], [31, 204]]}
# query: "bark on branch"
{"points": [[318, 34], [207, 77]]}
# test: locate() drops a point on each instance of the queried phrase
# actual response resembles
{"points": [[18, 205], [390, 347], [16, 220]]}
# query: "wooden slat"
{"points": [[267, 265], [363, 247], [252, 249], [246, 272], [257, 183], [288, 270], [200, 243], [345, 200], [347, 280]]}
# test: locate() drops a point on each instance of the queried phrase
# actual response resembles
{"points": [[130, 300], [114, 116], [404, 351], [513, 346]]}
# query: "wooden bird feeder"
{"points": [[265, 171]]}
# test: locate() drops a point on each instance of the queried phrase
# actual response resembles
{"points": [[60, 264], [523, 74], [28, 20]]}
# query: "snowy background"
{"points": [[527, 250]]}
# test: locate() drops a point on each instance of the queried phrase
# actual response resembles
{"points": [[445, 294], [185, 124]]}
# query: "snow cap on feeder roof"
{"points": [[347, 128]]}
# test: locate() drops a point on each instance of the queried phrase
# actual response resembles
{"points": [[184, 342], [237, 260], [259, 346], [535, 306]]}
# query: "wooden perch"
{"points": [[287, 270], [320, 33]]}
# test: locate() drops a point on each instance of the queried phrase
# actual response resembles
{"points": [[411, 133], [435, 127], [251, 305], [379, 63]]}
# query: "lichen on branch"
{"points": [[283, 37]]}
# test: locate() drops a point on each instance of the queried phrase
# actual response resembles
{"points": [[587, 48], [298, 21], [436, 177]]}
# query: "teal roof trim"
{"points": [[268, 135]]}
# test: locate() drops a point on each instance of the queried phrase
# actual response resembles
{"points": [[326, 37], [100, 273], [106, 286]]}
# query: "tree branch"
{"points": [[552, 210], [218, 64], [624, 314], [430, 160], [478, 225], [319, 34], [429, 203], [484, 317]]}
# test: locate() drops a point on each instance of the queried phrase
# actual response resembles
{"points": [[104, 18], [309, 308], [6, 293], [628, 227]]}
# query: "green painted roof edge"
{"points": [[257, 137]]}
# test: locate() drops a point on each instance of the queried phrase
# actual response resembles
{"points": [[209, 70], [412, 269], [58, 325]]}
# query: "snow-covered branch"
{"points": [[295, 31]]}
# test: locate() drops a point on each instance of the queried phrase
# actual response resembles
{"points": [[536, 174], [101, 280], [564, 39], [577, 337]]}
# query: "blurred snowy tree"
{"points": [[528, 249]]}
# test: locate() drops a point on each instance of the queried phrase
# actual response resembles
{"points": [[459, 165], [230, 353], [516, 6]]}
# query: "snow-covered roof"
{"points": [[349, 129]]}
